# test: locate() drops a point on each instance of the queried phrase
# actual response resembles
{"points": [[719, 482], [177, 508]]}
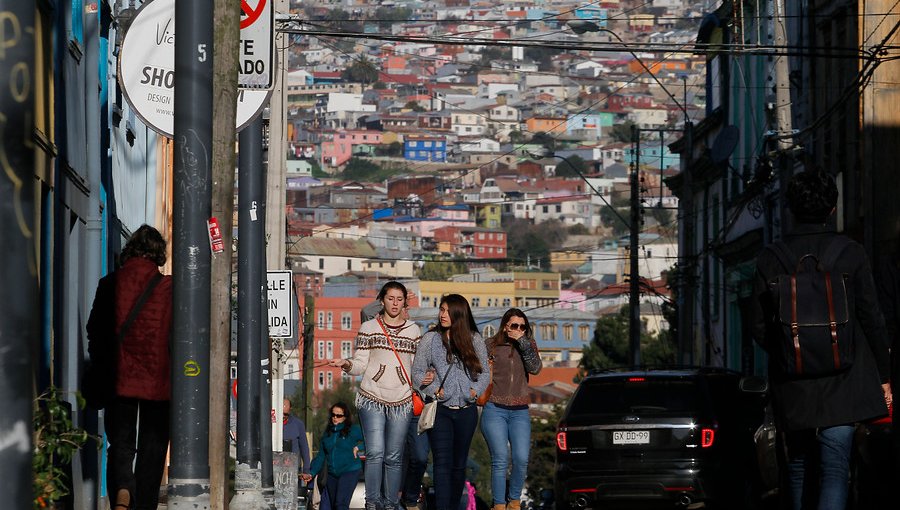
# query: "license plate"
{"points": [[631, 437]]}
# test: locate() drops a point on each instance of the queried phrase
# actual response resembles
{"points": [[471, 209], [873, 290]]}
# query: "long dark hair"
{"points": [[500, 336], [348, 420], [458, 338]]}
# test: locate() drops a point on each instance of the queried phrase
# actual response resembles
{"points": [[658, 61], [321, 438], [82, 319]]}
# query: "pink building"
{"points": [[337, 146]]}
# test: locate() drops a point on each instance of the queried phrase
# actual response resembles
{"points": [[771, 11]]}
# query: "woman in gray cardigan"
{"points": [[451, 364]]}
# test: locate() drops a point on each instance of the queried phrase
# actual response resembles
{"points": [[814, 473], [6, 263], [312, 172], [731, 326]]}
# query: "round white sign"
{"points": [[147, 70]]}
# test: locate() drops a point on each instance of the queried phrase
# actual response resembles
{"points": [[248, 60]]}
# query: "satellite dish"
{"points": [[724, 144]]}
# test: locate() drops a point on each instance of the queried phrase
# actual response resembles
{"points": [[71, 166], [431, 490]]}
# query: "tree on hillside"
{"points": [[526, 241], [574, 167], [440, 270], [621, 132], [542, 457], [610, 345], [414, 106], [360, 170], [542, 138], [360, 71]]}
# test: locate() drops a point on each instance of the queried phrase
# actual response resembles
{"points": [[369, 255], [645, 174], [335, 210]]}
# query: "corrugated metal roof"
{"points": [[333, 247]]}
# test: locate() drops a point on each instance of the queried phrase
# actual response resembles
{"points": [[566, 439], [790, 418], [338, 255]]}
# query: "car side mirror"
{"points": [[753, 384]]}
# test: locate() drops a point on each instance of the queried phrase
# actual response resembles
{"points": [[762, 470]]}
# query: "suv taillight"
{"points": [[707, 436], [561, 441]]}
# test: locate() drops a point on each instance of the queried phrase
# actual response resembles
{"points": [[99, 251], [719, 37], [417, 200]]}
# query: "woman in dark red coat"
{"points": [[143, 383]]}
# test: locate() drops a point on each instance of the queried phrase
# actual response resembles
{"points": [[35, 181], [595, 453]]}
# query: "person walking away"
{"points": [[451, 364], [137, 419], [340, 447], [293, 435], [385, 347], [505, 421], [818, 403]]}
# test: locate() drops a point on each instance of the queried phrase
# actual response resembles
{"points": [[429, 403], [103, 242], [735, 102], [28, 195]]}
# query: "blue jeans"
{"points": [[339, 491], [505, 431], [416, 461], [450, 440], [385, 436], [821, 456]]}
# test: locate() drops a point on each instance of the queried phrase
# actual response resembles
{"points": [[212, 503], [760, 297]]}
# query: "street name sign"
{"points": [[279, 289]]}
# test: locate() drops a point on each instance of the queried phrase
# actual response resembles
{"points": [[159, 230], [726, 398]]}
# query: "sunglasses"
{"points": [[337, 415], [516, 325]]}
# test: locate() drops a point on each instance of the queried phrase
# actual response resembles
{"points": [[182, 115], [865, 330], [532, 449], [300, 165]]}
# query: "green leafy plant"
{"points": [[56, 441]]}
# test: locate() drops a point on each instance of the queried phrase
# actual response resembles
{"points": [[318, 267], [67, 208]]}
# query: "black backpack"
{"points": [[812, 310]]}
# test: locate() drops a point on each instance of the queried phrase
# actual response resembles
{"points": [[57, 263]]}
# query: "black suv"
{"points": [[677, 437]]}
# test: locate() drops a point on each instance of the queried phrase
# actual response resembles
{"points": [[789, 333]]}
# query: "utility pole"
{"points": [[782, 113], [275, 197], [225, 65], [686, 263], [634, 295], [189, 466], [19, 336], [309, 335], [251, 293]]}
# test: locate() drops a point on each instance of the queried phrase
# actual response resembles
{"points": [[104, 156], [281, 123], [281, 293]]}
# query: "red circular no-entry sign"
{"points": [[249, 14]]}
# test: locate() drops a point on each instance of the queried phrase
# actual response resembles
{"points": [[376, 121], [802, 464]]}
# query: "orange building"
{"points": [[546, 124]]}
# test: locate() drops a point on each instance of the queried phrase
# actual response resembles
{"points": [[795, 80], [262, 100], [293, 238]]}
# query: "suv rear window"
{"points": [[636, 396]]}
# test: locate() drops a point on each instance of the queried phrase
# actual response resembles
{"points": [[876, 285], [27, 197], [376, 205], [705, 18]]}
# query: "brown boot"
{"points": [[513, 505], [499, 506]]}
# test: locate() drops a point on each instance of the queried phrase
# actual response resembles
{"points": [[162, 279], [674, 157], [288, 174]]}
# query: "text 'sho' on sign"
{"points": [[279, 290], [147, 69], [257, 54]]}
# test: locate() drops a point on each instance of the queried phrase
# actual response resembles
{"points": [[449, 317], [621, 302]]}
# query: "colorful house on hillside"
{"points": [[471, 242], [550, 125], [425, 148]]}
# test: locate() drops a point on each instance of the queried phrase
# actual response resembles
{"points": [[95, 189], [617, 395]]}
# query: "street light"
{"points": [[582, 26], [686, 299], [634, 325]]}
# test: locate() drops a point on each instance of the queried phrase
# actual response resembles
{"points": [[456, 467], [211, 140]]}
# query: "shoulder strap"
{"points": [[136, 309], [391, 343], [834, 250], [784, 255]]}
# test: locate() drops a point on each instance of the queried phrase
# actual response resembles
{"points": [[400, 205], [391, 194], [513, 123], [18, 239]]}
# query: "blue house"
{"points": [[425, 148], [593, 13]]}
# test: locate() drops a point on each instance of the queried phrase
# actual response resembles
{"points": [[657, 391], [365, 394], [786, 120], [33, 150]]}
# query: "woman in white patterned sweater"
{"points": [[385, 347]]}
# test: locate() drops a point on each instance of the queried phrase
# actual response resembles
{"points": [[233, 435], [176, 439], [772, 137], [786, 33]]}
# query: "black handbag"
{"points": [[98, 385]]}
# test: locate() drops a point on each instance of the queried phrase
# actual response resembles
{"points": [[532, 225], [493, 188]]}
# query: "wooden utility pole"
{"points": [[225, 65]]}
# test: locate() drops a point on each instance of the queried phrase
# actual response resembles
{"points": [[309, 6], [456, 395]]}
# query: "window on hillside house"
{"points": [[584, 332], [506, 302], [329, 379], [329, 320], [567, 332], [346, 348], [476, 302], [349, 265], [320, 349], [320, 320], [321, 263], [321, 380], [329, 349]]}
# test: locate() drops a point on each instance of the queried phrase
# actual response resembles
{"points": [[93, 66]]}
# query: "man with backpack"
{"points": [[816, 314]]}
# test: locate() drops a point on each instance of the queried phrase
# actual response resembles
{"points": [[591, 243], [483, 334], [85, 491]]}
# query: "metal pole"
{"points": [[251, 288], [251, 292], [634, 298], [19, 318], [264, 360], [189, 468]]}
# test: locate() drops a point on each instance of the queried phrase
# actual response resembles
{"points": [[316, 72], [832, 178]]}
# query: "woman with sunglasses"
{"points": [[341, 446], [384, 352], [505, 422], [452, 365]]}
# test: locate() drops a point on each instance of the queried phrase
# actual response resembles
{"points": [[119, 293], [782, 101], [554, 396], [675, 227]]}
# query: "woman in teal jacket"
{"points": [[341, 447]]}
